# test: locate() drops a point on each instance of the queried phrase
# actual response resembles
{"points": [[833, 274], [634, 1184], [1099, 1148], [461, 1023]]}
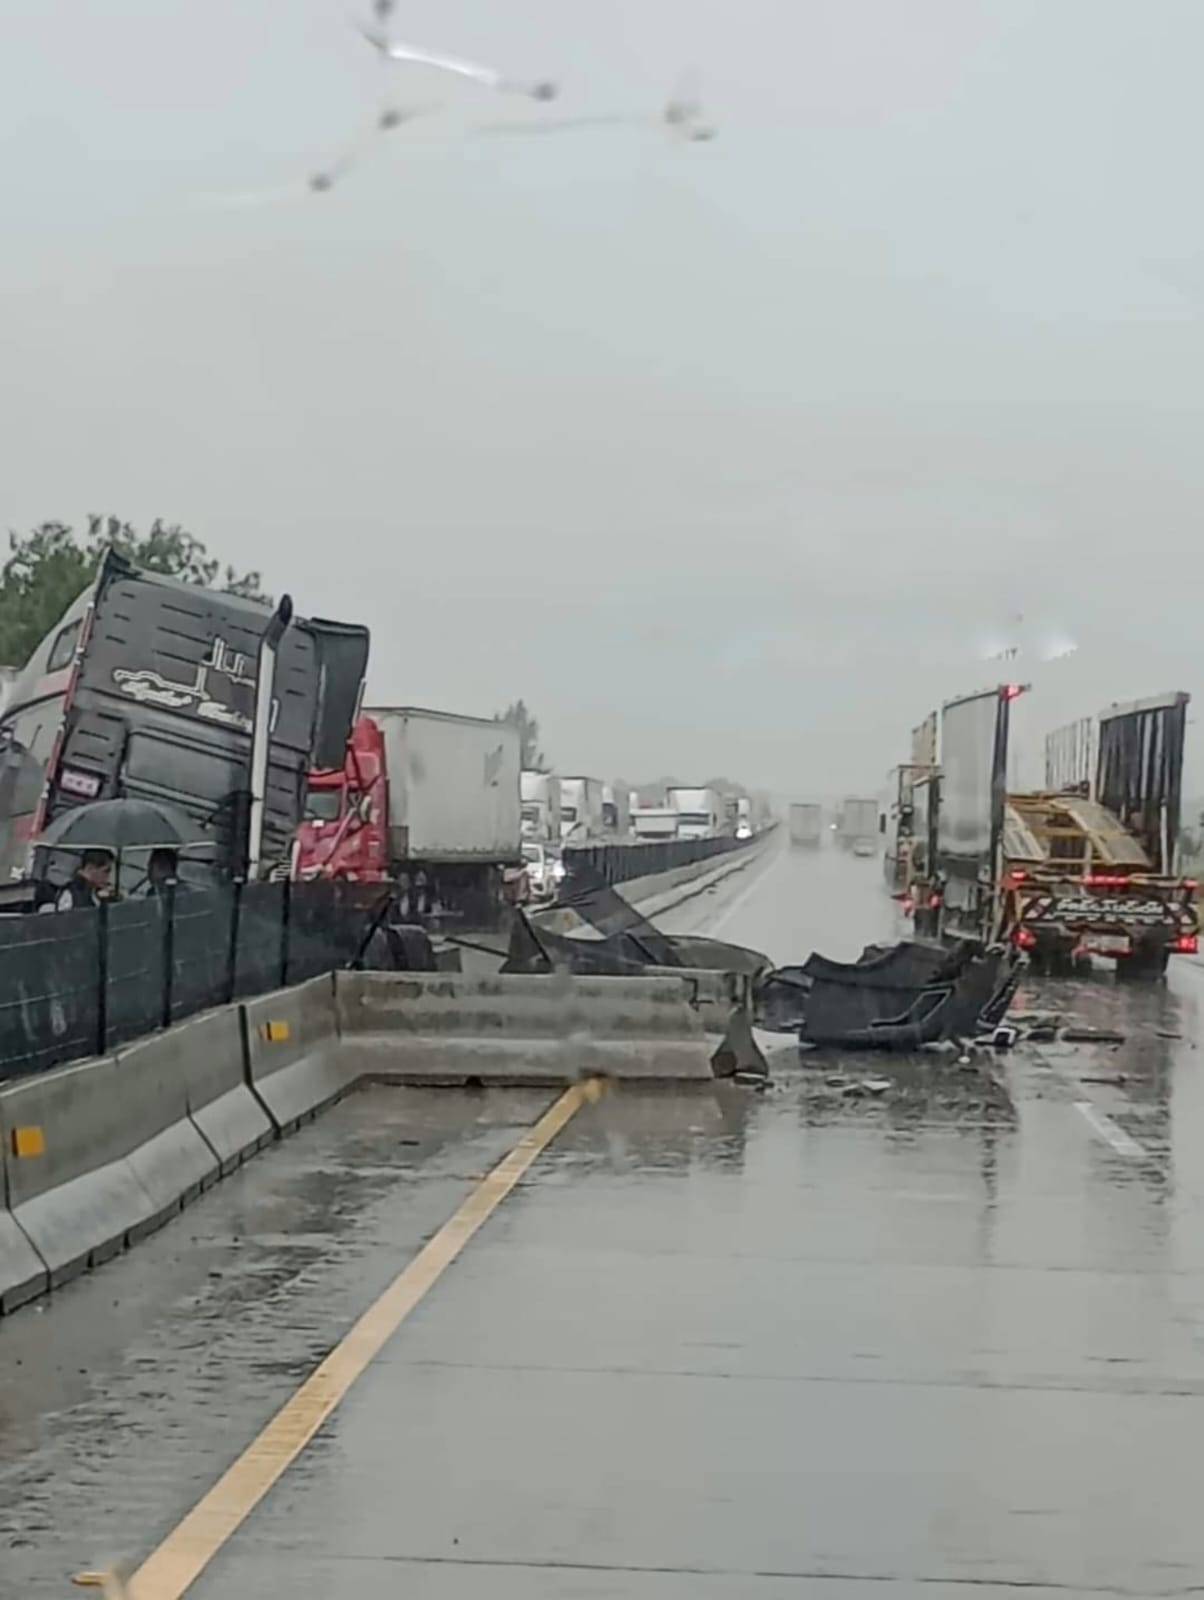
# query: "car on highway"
{"points": [[545, 870]]}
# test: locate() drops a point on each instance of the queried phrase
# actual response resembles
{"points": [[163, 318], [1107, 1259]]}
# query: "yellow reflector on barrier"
{"points": [[30, 1141], [275, 1032]]}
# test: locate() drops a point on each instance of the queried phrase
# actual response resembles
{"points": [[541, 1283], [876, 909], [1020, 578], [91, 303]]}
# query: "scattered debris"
{"points": [[1004, 1037], [751, 1080], [1042, 1033], [876, 1085], [836, 1080], [1092, 1036], [1166, 1033], [1115, 1080]]}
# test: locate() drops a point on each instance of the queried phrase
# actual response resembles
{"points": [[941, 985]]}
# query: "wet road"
{"points": [[713, 1345]]}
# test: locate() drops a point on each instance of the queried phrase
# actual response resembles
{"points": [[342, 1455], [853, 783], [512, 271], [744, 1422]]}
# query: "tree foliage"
{"points": [[519, 717], [49, 566]]}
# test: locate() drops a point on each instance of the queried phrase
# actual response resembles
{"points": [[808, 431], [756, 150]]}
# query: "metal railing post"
{"points": [[286, 919], [102, 976], [232, 951], [167, 911]]}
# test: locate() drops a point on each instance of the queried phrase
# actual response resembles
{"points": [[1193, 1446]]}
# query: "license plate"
{"points": [[1107, 944]]}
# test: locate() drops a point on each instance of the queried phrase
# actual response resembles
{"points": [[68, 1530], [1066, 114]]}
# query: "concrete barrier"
{"points": [[293, 1054], [712, 994], [444, 1028], [98, 1155], [23, 1274], [207, 1055]]}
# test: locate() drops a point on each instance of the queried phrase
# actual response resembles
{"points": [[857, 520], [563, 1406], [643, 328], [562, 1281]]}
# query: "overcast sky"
{"points": [[727, 457]]}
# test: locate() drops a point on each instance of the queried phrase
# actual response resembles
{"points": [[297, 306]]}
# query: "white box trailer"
{"points": [[541, 807], [698, 812], [454, 792], [582, 819], [806, 823]]}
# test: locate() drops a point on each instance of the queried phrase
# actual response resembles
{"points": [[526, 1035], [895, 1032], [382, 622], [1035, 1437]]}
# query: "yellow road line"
{"points": [[169, 1571]]}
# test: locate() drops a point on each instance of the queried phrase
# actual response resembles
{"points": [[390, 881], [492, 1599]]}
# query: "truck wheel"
{"points": [[1144, 965]]}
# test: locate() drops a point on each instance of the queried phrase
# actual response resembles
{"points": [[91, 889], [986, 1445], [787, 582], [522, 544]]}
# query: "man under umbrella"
{"points": [[90, 883]]}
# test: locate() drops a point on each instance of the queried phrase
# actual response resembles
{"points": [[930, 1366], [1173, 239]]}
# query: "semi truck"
{"points": [[1091, 861], [906, 824], [857, 823], [541, 807], [616, 813], [582, 819], [1085, 867], [427, 800], [698, 812], [654, 824], [806, 824], [146, 690]]}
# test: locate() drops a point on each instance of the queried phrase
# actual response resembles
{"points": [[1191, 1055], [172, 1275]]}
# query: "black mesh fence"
{"points": [[621, 863], [80, 983]]}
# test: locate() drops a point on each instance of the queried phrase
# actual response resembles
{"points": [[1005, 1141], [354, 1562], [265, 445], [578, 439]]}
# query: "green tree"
{"points": [[519, 717], [49, 566]]}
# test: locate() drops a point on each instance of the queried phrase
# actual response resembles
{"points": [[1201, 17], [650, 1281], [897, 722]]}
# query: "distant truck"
{"points": [[541, 807], [145, 690], [857, 824], [698, 812], [806, 824], [582, 818], [616, 813], [428, 800], [654, 824]]}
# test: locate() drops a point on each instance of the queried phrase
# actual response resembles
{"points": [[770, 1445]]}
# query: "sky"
{"points": [[735, 456]]}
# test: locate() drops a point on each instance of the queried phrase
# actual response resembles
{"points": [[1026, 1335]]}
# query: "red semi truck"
{"points": [[428, 800]]}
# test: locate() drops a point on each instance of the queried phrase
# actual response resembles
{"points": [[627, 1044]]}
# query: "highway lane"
{"points": [[715, 1344]]}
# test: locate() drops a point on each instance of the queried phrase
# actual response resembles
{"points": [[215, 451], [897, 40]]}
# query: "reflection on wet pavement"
{"points": [[947, 1335]]}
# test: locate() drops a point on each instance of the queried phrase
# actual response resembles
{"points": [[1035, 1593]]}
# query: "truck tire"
{"points": [[1144, 966]]}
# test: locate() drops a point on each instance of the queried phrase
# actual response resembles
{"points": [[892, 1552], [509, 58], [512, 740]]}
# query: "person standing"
{"points": [[90, 883]]}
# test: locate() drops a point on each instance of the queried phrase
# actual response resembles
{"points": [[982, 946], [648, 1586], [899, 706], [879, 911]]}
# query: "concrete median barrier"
{"points": [[98, 1155], [714, 995], [23, 1273], [296, 1064], [445, 1028], [207, 1055]]}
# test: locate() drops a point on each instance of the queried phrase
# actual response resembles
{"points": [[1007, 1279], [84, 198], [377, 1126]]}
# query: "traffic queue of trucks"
{"points": [[238, 730], [1085, 867]]}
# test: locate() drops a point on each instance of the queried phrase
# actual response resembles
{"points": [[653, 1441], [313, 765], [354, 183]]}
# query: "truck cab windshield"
{"points": [[323, 805]]}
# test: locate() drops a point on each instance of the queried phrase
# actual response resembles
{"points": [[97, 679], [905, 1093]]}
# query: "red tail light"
{"points": [[1190, 883], [1023, 938], [934, 902], [1105, 880], [1187, 944]]}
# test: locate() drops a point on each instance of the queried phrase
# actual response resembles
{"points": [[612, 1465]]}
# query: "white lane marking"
{"points": [[1110, 1132], [745, 894]]}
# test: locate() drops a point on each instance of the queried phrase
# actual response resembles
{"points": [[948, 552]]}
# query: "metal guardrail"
{"points": [[80, 983], [621, 863]]}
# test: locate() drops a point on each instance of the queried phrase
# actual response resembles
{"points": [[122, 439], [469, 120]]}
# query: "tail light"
{"points": [[1023, 938], [1187, 944], [1105, 880]]}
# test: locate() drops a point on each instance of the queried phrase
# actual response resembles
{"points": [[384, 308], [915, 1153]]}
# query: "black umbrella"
{"points": [[119, 825]]}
